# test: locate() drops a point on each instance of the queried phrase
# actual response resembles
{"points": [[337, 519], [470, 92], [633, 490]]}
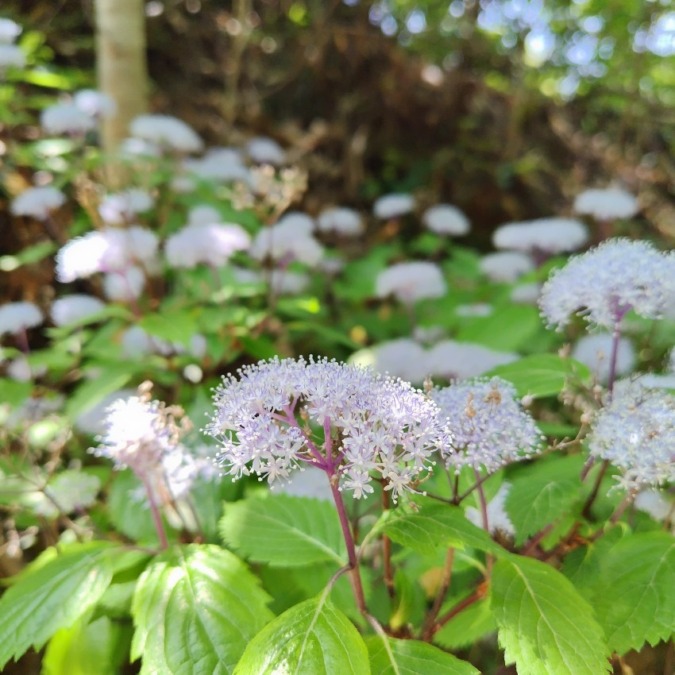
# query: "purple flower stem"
{"points": [[156, 517], [355, 574]]}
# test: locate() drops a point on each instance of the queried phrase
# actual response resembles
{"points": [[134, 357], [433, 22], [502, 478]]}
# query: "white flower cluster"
{"points": [[120, 208], [11, 55], [607, 204], [219, 164], [505, 266], [409, 282], [205, 240], [595, 351], [348, 421], [167, 133], [145, 436], [446, 220], [110, 250], [38, 202], [289, 240], [609, 280], [264, 150], [75, 308], [393, 205], [544, 235], [490, 428], [448, 359], [636, 433], [18, 316], [340, 220]]}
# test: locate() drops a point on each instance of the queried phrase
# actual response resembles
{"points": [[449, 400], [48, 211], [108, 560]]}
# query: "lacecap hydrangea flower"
{"points": [[636, 433], [354, 424], [166, 132], [489, 426], [603, 284]]}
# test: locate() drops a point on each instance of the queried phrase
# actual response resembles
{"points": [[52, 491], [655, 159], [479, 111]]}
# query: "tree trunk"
{"points": [[121, 64]]}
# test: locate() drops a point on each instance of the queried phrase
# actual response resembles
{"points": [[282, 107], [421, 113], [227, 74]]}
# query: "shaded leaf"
{"points": [[284, 531], [435, 526]]}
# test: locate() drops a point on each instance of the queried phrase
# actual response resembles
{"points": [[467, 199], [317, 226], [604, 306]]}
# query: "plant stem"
{"points": [[478, 594], [355, 575], [156, 516], [427, 630], [386, 553], [586, 511]]}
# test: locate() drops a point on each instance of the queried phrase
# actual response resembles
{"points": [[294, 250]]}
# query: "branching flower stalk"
{"points": [[357, 426]]}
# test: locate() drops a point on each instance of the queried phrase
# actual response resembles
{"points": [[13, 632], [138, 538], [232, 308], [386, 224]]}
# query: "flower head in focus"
{"points": [[636, 433], [350, 422], [603, 284], [489, 426]]}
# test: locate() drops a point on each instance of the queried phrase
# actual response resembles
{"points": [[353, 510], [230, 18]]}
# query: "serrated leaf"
{"points": [[411, 657], [435, 526], [312, 637], [540, 375], [542, 492], [195, 608], [97, 647], [51, 596], [635, 595], [284, 531], [544, 625]]}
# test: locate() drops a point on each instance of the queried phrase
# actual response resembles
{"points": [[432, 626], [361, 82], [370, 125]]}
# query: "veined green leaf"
{"points": [[195, 609], [284, 531], [411, 657], [635, 591], [312, 637], [542, 492], [434, 526], [49, 596], [544, 625], [540, 375]]}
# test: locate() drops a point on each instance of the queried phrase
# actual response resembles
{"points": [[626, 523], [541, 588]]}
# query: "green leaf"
{"points": [[52, 595], [284, 531], [13, 392], [467, 627], [195, 609], [542, 492], [541, 375], [128, 509], [91, 392], [29, 255], [506, 329], [544, 625], [174, 325], [97, 647], [436, 526], [635, 593], [411, 657], [312, 637]]}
